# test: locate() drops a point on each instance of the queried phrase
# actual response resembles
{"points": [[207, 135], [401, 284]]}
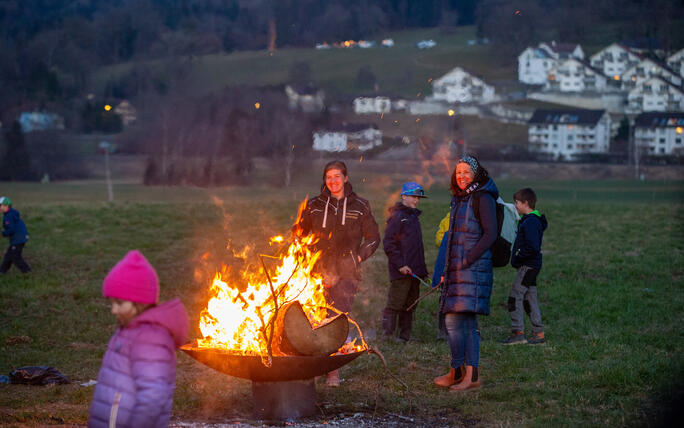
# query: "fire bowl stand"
{"points": [[288, 400], [284, 391]]}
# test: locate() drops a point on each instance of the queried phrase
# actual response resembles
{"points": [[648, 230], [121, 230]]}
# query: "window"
{"points": [[570, 137], [569, 146], [662, 141], [678, 141]]}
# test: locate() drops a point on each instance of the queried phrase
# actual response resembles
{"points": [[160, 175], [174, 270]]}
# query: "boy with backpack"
{"points": [[527, 258]]}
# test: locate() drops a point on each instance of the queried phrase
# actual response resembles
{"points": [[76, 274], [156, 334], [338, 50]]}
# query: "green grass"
{"points": [[402, 70], [610, 295]]}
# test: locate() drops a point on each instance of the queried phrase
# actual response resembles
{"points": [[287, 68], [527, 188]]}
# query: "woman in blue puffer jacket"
{"points": [[137, 378], [468, 274]]}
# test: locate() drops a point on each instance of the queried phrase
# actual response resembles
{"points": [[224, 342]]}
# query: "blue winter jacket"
{"points": [[527, 245], [468, 286], [14, 228], [403, 242], [137, 378]]}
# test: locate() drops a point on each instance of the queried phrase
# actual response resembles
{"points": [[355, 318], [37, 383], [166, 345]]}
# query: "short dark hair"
{"points": [[526, 195], [336, 164]]}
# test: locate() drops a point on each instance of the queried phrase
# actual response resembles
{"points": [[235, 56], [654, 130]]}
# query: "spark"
{"points": [[517, 12], [430, 80], [451, 112], [107, 107], [417, 120], [361, 159], [257, 105]]}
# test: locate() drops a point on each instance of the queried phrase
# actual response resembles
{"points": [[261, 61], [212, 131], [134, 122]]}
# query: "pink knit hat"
{"points": [[134, 279]]}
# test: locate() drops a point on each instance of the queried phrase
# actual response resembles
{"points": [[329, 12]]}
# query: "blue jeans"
{"points": [[464, 341]]}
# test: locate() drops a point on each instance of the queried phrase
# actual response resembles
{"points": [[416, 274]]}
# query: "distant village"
{"points": [[616, 82], [600, 92]]}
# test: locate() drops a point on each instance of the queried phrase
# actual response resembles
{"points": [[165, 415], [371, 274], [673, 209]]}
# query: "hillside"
{"points": [[402, 70]]}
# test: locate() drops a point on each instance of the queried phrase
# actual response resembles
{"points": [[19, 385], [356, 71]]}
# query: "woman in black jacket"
{"points": [[347, 233]]}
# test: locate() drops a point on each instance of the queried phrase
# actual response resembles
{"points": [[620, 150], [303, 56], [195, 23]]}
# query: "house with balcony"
{"points": [[655, 94], [353, 136], [660, 133], [372, 104], [647, 68], [567, 133], [676, 62], [614, 60], [573, 75], [534, 65], [459, 86]]}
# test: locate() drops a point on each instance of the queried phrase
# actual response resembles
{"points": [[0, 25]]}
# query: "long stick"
{"points": [[269, 345], [421, 298]]}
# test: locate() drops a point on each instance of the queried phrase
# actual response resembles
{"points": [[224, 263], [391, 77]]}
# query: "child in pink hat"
{"points": [[137, 378]]}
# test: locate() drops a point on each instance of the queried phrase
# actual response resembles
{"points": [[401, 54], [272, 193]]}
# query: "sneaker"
{"points": [[517, 338], [536, 339]]}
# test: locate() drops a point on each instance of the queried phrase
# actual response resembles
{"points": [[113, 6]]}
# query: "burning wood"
{"points": [[294, 335], [279, 310]]}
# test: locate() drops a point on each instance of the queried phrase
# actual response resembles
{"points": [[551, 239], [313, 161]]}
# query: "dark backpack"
{"points": [[501, 248]]}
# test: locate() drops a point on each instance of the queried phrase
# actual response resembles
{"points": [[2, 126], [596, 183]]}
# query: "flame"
{"points": [[239, 317], [239, 320]]}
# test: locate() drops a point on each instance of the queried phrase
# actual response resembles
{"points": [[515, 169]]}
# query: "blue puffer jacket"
{"points": [[468, 287], [137, 378], [14, 228], [403, 242]]}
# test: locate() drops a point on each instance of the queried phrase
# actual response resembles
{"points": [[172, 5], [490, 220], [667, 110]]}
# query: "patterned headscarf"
{"points": [[474, 164]]}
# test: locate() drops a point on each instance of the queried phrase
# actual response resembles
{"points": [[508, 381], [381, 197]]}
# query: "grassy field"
{"points": [[610, 295], [403, 70]]}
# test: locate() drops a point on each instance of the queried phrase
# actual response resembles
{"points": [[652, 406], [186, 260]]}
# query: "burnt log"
{"points": [[294, 335]]}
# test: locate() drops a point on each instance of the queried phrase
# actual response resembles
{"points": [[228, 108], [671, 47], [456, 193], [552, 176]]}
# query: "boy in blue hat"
{"points": [[403, 244], [14, 228]]}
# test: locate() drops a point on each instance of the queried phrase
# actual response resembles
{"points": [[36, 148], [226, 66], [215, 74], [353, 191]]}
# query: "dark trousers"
{"points": [[13, 255], [401, 294], [340, 293]]}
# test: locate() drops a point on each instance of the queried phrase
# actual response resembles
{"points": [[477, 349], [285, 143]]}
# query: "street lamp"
{"points": [[108, 148]]}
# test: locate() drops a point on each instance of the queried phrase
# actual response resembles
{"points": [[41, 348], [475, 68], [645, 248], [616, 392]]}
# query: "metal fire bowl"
{"points": [[284, 368]]}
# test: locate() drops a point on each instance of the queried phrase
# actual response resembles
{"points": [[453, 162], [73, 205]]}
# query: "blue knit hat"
{"points": [[412, 188], [4, 200]]}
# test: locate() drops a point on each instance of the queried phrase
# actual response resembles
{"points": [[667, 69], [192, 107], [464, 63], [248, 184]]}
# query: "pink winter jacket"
{"points": [[136, 381]]}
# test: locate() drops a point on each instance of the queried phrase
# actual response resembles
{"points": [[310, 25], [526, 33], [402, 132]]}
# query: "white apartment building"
{"points": [[573, 75], [534, 64], [357, 136], [379, 104], [614, 60], [645, 69], [564, 134], [459, 86], [660, 133], [655, 94], [676, 62]]}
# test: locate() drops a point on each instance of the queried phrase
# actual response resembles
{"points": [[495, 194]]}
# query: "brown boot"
{"points": [[454, 376], [471, 380]]}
